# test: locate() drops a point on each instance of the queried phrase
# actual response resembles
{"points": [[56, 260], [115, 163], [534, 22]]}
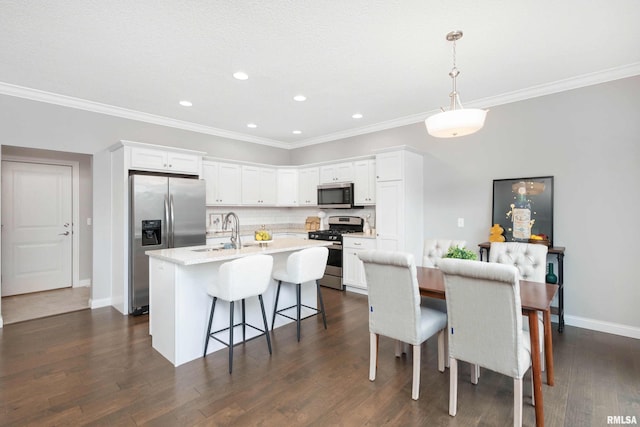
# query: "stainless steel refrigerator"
{"points": [[165, 212]]}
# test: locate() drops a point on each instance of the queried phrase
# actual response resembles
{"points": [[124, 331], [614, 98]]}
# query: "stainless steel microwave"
{"points": [[337, 196]]}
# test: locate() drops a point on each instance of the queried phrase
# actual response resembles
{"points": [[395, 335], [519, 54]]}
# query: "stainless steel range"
{"points": [[338, 225]]}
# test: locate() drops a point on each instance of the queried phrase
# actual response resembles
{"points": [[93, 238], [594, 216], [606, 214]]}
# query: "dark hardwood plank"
{"points": [[97, 367]]}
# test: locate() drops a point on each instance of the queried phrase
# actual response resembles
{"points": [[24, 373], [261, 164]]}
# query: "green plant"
{"points": [[461, 253]]}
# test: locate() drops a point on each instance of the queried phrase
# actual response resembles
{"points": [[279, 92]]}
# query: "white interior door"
{"points": [[36, 227]]}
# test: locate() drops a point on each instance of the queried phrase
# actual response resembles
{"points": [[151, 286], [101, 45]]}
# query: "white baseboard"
{"points": [[97, 303], [602, 326], [356, 290], [1, 322], [82, 283]]}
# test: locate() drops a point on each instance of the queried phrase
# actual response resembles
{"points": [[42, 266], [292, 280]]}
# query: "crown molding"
{"points": [[96, 107], [505, 98]]}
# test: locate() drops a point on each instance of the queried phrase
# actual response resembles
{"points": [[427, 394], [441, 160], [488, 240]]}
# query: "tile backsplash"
{"points": [[256, 216]]}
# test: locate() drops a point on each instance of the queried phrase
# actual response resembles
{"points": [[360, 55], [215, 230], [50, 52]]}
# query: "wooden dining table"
{"points": [[534, 297]]}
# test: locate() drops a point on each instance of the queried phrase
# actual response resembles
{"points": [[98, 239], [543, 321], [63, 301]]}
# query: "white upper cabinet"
{"points": [[308, 180], [390, 166], [223, 183], [259, 186], [364, 182], [339, 172], [152, 159], [287, 187]]}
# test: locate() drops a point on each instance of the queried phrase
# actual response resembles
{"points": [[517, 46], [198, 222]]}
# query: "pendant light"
{"points": [[458, 121]]}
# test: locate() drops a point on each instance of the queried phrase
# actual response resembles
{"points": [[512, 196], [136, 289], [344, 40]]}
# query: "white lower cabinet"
{"points": [[352, 267]]}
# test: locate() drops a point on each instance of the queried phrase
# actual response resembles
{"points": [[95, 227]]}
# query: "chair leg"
{"points": [[441, 349], [275, 307], [230, 336], [446, 348], [299, 307], [453, 386], [475, 374], [517, 402], [266, 326], [324, 317], [373, 355], [415, 389], [398, 348], [244, 323], [206, 343]]}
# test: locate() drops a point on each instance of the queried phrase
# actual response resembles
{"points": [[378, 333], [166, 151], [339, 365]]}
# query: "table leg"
{"points": [[548, 347], [535, 366]]}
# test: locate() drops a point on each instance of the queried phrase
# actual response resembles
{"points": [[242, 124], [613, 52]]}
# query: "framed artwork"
{"points": [[523, 207]]}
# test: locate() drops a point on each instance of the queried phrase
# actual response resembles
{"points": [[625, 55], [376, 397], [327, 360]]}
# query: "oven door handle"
{"points": [[335, 246]]}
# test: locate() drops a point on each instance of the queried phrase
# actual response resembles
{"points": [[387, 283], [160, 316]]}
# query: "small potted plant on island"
{"points": [[461, 253]]}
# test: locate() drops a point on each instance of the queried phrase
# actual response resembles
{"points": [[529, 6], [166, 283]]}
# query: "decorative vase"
{"points": [[550, 277]]}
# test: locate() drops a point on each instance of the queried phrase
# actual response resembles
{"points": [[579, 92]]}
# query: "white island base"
{"points": [[179, 305]]}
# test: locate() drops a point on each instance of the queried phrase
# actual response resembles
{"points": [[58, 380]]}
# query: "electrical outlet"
{"points": [[460, 222]]}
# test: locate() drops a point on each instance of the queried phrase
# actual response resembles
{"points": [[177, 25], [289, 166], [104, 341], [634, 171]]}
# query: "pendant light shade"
{"points": [[452, 123], [458, 121]]}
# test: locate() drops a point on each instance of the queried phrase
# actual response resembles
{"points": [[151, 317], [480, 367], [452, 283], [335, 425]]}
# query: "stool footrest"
{"points": [[212, 334]]}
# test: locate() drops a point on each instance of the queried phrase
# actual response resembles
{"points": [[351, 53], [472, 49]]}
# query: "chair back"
{"points": [[530, 259], [485, 315], [307, 264], [394, 299], [435, 249], [242, 278]]}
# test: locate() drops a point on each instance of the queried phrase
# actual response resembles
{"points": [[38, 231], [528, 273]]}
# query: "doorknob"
{"points": [[66, 233], [66, 224]]}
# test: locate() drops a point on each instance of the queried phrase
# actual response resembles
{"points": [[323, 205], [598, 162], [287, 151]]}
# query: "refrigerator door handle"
{"points": [[172, 221], [166, 220]]}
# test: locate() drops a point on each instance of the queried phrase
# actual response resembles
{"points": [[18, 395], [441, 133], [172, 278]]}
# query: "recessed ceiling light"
{"points": [[240, 75], [299, 98], [357, 116], [186, 103], [297, 132], [252, 125]]}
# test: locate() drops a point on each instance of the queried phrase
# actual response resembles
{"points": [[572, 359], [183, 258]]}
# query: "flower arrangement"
{"points": [[461, 253]]}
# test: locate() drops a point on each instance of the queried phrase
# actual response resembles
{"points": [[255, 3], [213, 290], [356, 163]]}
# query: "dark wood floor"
{"points": [[97, 367]]}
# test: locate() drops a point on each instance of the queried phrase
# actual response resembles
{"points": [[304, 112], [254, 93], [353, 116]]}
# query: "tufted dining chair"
{"points": [[531, 262], [435, 249], [395, 310], [485, 324]]}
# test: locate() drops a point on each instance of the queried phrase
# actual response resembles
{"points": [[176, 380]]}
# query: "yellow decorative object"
{"points": [[495, 233]]}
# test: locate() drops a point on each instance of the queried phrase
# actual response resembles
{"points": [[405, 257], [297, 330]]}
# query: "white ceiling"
{"points": [[388, 60]]}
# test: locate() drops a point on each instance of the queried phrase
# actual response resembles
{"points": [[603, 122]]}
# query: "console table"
{"points": [[558, 251]]}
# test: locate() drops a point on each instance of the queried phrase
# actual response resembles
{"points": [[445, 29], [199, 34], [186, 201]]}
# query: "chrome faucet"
{"points": [[235, 229]]}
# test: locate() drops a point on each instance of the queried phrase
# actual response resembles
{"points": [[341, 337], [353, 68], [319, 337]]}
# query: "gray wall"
{"points": [[588, 139]]}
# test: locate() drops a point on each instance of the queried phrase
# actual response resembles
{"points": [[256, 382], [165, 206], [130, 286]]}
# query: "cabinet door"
{"points": [[287, 187], [268, 186], [179, 162], [389, 214], [350, 267], [389, 166], [364, 182], [327, 174], [344, 172], [210, 176], [250, 185], [148, 159], [258, 186], [308, 180], [229, 184]]}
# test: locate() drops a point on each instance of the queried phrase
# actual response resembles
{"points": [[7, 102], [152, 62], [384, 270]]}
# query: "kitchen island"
{"points": [[179, 304]]}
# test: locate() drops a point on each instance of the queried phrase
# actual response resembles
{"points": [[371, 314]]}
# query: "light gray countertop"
{"points": [[204, 254]]}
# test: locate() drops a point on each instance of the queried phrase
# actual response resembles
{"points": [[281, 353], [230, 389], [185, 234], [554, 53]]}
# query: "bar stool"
{"points": [[237, 280], [303, 266]]}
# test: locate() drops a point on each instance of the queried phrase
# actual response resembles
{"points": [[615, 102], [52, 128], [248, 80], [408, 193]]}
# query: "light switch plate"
{"points": [[460, 222]]}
